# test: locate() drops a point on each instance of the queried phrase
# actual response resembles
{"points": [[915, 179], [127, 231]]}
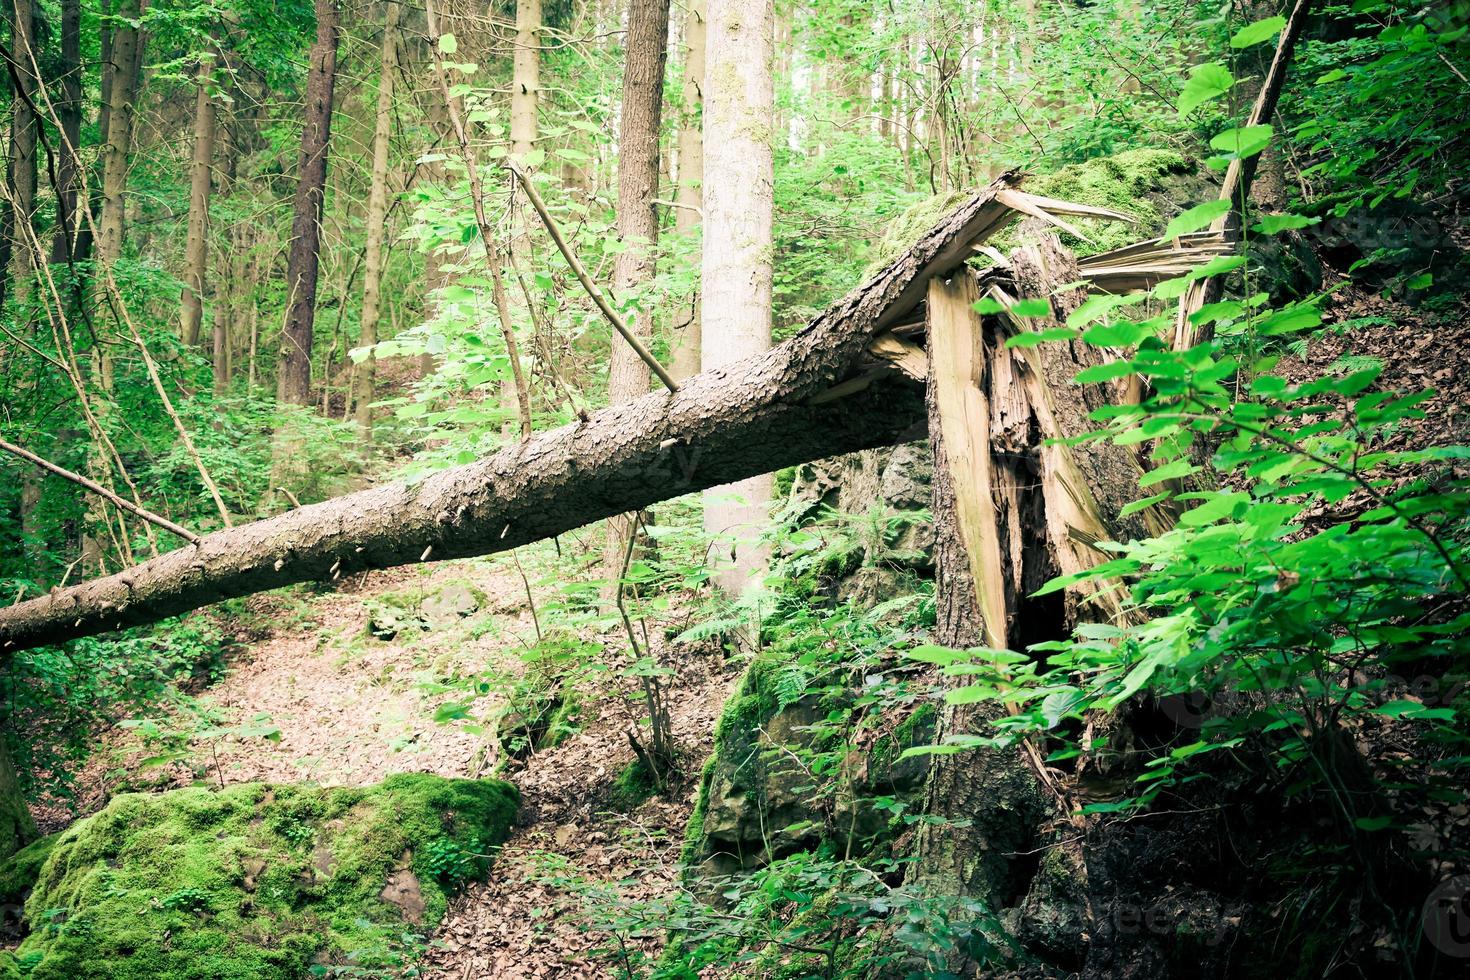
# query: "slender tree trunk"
{"points": [[524, 99], [739, 101], [691, 175], [294, 384], [646, 48], [372, 273], [127, 61], [69, 112], [125, 43], [525, 79], [196, 249], [23, 146]]}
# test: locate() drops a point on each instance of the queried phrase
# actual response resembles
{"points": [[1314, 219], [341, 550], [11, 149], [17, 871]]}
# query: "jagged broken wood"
{"points": [[792, 404]]}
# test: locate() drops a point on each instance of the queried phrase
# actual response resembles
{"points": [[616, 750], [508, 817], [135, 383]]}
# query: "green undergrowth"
{"points": [[255, 882]]}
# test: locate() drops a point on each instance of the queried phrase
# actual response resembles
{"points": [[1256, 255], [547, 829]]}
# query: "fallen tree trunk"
{"points": [[818, 394]]}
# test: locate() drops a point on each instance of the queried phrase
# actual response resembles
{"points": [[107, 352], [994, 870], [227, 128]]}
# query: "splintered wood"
{"points": [[962, 446]]}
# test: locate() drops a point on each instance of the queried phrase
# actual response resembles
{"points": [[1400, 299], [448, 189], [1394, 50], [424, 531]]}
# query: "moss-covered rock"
{"points": [[258, 881], [756, 803], [18, 873]]}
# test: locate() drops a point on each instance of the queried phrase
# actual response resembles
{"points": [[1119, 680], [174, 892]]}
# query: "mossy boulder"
{"points": [[756, 804], [18, 873], [259, 881]]}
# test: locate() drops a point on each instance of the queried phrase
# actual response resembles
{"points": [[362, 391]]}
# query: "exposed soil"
{"points": [[352, 708]]}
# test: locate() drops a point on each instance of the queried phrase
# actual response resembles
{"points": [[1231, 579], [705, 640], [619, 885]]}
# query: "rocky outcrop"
{"points": [[759, 799], [254, 882]]}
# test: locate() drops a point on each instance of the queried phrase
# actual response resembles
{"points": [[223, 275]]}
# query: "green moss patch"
{"points": [[18, 873], [258, 881], [1149, 185]]}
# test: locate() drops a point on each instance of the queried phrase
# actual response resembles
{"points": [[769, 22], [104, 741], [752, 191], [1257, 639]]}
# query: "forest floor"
{"points": [[350, 708]]}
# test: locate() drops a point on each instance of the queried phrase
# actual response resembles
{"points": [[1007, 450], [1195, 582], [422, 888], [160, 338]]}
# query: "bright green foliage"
{"points": [[1312, 564], [59, 695], [1405, 64], [259, 881]]}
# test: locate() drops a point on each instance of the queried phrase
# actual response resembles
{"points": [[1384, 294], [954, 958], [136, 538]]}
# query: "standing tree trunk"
{"points": [[69, 115], [196, 249], [17, 828], [739, 103], [686, 343], [122, 89], [372, 277], [646, 47], [525, 85], [525, 79], [294, 384], [124, 44], [23, 146]]}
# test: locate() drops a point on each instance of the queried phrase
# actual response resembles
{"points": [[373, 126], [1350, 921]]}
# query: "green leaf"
{"points": [[1100, 305], [1124, 333], [1130, 509], [942, 656], [987, 307], [1176, 470], [970, 694], [1105, 372], [1196, 218], [1243, 141], [1261, 30], [1206, 82], [1270, 224], [1031, 307], [447, 44], [1422, 281]]}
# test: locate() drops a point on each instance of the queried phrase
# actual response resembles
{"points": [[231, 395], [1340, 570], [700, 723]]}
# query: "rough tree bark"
{"points": [[525, 79], [122, 93], [817, 394], [372, 272], [736, 269], [69, 116], [22, 190], [196, 248], [294, 383], [645, 47], [686, 342]]}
